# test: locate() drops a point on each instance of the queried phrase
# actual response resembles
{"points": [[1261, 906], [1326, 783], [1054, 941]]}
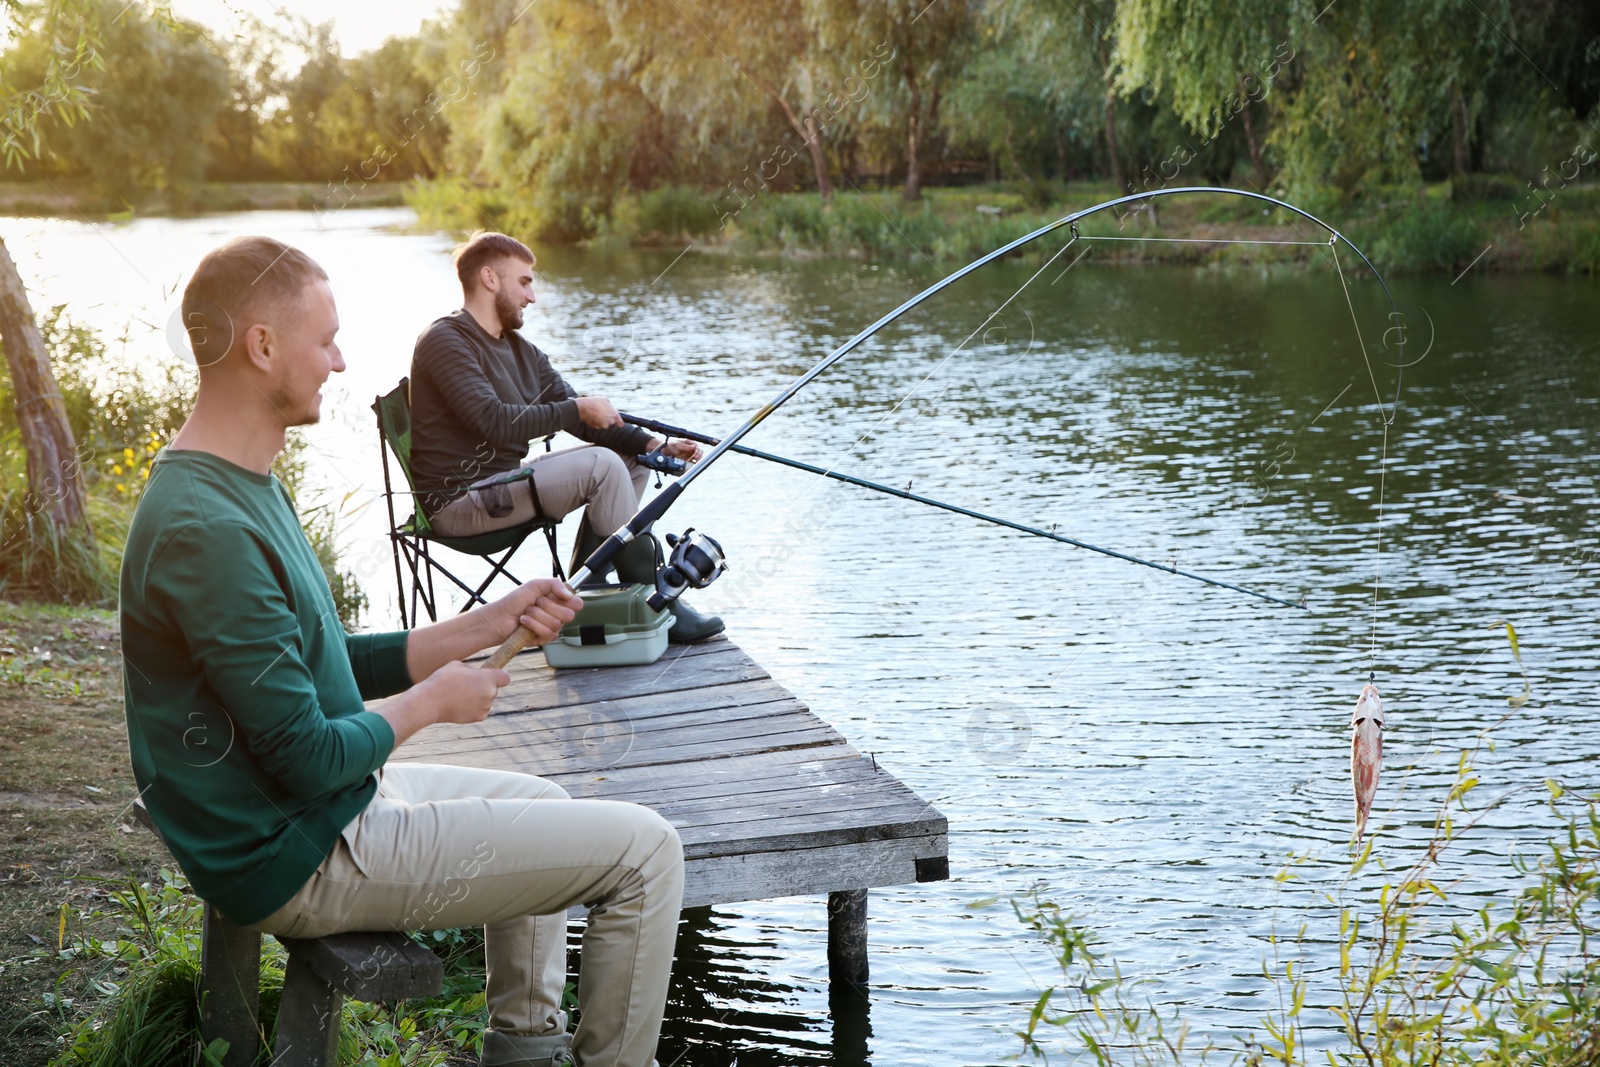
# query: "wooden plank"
{"points": [[825, 779], [806, 872], [547, 688], [882, 805], [880, 796], [605, 751], [801, 834], [641, 706], [618, 736], [533, 658], [554, 726], [748, 766], [769, 799], [230, 969], [676, 660]]}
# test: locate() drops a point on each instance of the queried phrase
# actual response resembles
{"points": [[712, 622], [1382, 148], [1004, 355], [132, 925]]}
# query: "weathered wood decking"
{"points": [[770, 801]]}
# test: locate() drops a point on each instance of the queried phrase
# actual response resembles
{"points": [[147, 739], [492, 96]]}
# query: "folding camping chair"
{"points": [[412, 540]]}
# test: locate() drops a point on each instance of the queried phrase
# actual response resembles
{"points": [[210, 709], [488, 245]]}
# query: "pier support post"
{"points": [[847, 936]]}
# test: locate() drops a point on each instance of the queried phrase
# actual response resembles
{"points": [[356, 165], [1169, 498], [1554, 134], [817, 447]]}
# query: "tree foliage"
{"points": [[570, 108], [147, 106]]}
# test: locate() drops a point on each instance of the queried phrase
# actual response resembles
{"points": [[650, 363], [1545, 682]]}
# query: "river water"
{"points": [[1145, 751]]}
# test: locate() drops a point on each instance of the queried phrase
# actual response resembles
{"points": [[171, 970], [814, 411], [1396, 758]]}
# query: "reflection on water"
{"points": [[1148, 750]]}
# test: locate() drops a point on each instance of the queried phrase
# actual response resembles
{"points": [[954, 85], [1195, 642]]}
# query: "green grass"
{"points": [[132, 993]]}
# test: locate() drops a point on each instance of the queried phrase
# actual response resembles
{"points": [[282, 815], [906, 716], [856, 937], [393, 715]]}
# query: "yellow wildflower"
{"points": [[116, 468]]}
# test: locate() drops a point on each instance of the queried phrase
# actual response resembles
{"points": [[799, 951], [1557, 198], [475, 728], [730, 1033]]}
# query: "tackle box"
{"points": [[615, 628]]}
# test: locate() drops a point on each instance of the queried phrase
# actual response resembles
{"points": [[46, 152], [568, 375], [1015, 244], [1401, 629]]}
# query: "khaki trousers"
{"points": [[445, 847], [565, 481]]}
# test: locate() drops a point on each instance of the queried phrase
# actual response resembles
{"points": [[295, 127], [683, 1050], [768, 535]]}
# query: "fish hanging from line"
{"points": [[1366, 752]]}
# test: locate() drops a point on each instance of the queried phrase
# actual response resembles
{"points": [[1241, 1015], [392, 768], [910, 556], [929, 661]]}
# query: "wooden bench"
{"points": [[322, 971]]}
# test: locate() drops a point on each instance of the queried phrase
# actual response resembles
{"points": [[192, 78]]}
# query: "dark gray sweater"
{"points": [[477, 402]]}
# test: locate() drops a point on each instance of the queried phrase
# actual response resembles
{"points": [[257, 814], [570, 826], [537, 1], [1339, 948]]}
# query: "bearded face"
{"points": [[508, 307]]}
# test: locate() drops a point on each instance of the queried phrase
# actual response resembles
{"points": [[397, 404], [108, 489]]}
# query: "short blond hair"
{"points": [[236, 283]]}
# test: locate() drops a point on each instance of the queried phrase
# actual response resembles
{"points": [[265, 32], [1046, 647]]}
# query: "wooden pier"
{"points": [[770, 801]]}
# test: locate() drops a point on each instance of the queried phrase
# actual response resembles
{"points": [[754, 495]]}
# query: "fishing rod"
{"points": [[905, 494], [647, 515]]}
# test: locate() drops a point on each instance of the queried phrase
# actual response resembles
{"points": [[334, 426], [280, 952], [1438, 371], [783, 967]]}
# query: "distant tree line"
{"points": [[569, 105]]}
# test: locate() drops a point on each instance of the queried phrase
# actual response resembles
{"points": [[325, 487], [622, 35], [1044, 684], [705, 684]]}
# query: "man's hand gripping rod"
{"points": [[597, 563]]}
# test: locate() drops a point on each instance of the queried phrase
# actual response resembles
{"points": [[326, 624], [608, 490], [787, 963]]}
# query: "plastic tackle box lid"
{"points": [[615, 611]]}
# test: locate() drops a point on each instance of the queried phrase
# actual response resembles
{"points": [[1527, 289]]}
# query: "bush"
{"points": [[120, 419], [453, 205], [1483, 188], [670, 214], [1040, 193], [1572, 246], [1423, 239], [945, 225]]}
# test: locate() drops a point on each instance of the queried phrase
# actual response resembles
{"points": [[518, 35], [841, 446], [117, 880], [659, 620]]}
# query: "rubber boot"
{"points": [[583, 548], [638, 562]]}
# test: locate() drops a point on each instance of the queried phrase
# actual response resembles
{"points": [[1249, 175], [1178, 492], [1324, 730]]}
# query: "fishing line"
{"points": [[952, 354], [905, 494], [660, 504], [1384, 420]]}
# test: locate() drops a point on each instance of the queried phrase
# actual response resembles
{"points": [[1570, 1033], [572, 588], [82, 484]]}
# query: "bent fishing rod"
{"points": [[905, 494], [647, 515]]}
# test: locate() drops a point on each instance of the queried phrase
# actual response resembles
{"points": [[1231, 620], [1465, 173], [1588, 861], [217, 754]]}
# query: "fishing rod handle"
{"points": [[668, 429], [522, 637]]}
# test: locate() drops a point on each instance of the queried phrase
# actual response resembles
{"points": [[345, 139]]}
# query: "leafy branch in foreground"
{"points": [[1093, 1003], [1428, 979]]}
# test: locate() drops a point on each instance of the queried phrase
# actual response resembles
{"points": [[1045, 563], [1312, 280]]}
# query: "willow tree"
{"points": [[923, 49], [1215, 60], [702, 59], [570, 129], [1066, 51]]}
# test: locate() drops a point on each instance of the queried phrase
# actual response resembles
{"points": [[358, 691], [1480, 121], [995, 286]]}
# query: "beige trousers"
{"points": [[565, 481], [445, 847]]}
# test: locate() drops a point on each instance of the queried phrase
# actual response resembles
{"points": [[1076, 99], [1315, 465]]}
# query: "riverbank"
{"points": [[1486, 223], [81, 201]]}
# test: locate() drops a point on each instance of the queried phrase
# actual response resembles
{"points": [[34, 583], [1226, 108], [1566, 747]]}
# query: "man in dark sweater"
{"points": [[480, 393], [267, 775]]}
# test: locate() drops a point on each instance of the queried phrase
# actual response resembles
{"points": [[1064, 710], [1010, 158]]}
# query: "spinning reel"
{"points": [[696, 562]]}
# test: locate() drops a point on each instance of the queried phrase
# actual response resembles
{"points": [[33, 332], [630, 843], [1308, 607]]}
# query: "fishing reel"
{"points": [[662, 463], [696, 562]]}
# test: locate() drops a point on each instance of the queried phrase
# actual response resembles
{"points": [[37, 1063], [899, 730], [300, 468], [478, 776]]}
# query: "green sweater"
{"points": [[244, 694]]}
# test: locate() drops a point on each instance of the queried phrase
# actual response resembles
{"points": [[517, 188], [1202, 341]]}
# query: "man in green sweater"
{"points": [[480, 393], [266, 774]]}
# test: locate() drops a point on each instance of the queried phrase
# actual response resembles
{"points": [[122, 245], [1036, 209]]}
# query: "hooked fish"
{"points": [[1366, 753]]}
